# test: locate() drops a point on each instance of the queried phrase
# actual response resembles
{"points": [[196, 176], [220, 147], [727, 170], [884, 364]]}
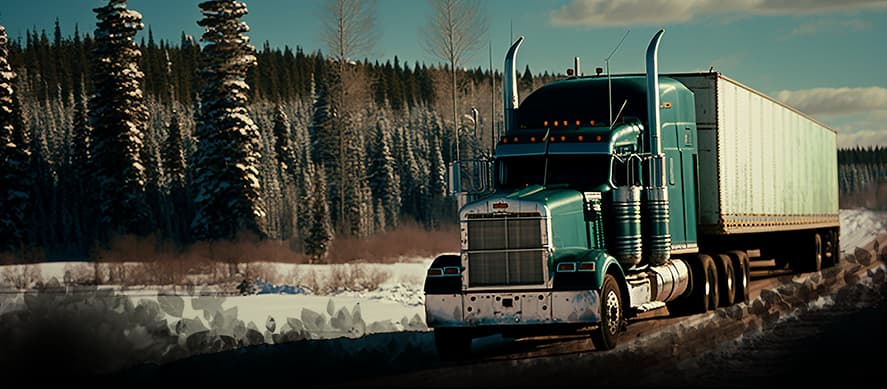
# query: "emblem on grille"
{"points": [[500, 205]]}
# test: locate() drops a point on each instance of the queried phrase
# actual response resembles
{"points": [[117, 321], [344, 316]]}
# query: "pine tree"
{"points": [[319, 230], [286, 171], [80, 167], [283, 145], [118, 117], [358, 201], [227, 181], [383, 179], [435, 210], [15, 182], [325, 137]]}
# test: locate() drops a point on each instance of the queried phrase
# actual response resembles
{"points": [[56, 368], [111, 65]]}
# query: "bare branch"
{"points": [[349, 27], [455, 30]]}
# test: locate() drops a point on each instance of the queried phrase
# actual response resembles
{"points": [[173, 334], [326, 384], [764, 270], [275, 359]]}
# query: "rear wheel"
{"points": [[452, 343], [830, 252], [726, 280], [604, 337], [704, 296], [813, 254], [740, 266]]}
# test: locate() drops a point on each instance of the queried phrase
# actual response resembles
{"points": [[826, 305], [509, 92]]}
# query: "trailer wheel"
{"points": [[811, 259], [743, 275], [452, 343], [604, 337], [831, 252], [726, 280], [704, 296]]}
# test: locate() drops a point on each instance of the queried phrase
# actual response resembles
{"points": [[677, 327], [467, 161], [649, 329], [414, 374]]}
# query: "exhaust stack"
{"points": [[658, 237], [509, 86]]}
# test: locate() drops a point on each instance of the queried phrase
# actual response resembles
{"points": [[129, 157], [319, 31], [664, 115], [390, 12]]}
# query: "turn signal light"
{"points": [[566, 266]]}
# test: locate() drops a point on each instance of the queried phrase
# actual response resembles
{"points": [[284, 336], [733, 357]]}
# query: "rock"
{"points": [[270, 324], [863, 257], [172, 305], [252, 337]]}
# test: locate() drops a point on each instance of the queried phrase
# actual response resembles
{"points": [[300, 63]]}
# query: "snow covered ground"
{"points": [[859, 227], [396, 305]]}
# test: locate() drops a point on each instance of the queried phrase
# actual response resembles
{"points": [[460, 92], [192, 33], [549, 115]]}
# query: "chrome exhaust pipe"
{"points": [[509, 85], [658, 236]]}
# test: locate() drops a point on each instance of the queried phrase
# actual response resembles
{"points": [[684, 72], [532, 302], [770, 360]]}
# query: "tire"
{"points": [[831, 252], [607, 332], [743, 275], [813, 254], [704, 296], [726, 280], [452, 343]]}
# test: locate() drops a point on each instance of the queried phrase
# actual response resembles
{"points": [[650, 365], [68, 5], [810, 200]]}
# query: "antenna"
{"points": [[492, 103], [609, 82]]}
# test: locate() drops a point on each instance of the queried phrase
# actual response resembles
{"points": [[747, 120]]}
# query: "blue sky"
{"points": [[825, 57]]}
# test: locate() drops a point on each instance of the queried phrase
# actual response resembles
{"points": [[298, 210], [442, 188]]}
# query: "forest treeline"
{"points": [[336, 154], [105, 137]]}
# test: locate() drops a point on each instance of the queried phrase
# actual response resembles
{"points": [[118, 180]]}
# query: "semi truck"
{"points": [[596, 212]]}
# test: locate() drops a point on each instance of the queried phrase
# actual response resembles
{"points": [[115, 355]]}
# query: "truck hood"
{"points": [[561, 207], [546, 201]]}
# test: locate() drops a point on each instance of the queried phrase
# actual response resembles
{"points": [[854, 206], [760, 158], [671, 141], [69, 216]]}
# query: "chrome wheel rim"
{"points": [[612, 306]]}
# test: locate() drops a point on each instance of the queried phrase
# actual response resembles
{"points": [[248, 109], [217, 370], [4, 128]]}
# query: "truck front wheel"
{"points": [[604, 337]]}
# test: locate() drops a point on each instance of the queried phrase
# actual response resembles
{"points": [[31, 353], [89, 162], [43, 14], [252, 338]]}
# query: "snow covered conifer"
{"points": [[227, 181], [319, 235], [15, 180], [118, 117], [283, 146], [383, 178]]}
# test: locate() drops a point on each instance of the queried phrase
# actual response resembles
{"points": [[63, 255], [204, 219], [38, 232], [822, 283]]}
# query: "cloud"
{"points": [[835, 101], [610, 13], [869, 129], [858, 114], [830, 25], [863, 138]]}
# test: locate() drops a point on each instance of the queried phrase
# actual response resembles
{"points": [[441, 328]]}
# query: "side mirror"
{"points": [[471, 177]]}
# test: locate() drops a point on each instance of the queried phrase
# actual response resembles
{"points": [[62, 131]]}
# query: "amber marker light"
{"points": [[515, 139], [545, 123], [435, 272], [504, 140], [555, 123], [577, 123], [581, 138], [532, 139], [563, 138], [598, 138]]}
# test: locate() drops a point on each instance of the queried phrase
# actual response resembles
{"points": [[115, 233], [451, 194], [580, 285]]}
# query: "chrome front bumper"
{"points": [[512, 308]]}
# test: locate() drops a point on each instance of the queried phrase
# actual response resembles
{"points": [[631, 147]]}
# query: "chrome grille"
{"points": [[505, 233], [505, 250]]}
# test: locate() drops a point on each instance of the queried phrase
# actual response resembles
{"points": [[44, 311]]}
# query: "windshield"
{"points": [[583, 172]]}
